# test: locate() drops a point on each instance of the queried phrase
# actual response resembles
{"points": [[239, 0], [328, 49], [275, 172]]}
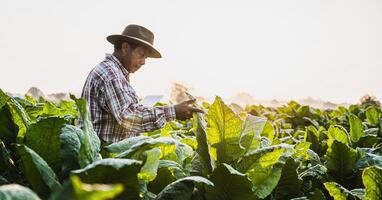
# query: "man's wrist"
{"points": [[169, 112]]}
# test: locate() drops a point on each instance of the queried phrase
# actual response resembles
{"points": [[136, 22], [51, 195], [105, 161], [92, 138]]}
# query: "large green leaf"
{"points": [[340, 161], [372, 115], [336, 133], [90, 143], [4, 98], [111, 171], [312, 135], [168, 172], [149, 169], [123, 145], [66, 110], [10, 108], [182, 153], [317, 195], [19, 117], [251, 134], [268, 131], [70, 148], [17, 192], [336, 191], [203, 148], [264, 166], [289, 185], [137, 150], [223, 132], [356, 130], [367, 141], [267, 156], [85, 191], [372, 179], [229, 184], [8, 129], [367, 159], [40, 176], [301, 150], [182, 189], [44, 138]]}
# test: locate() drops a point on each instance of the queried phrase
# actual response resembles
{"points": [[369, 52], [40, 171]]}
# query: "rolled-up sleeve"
{"points": [[122, 103]]}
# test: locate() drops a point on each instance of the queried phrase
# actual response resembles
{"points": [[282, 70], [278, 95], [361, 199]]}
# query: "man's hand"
{"points": [[184, 111]]}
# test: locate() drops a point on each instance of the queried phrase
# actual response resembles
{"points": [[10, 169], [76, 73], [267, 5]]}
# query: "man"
{"points": [[115, 111]]}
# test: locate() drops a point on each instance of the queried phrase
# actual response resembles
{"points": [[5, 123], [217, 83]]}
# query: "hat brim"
{"points": [[152, 52]]}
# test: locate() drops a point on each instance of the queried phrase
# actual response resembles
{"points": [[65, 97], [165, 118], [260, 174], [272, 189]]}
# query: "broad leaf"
{"points": [[356, 130], [19, 117], [251, 134], [136, 150], [372, 116], [8, 129], [13, 119], [168, 172], [289, 185], [39, 174], [367, 159], [266, 156], [85, 191], [203, 148], [17, 192], [111, 171], [317, 195], [263, 167], [336, 133], [182, 189], [229, 184], [149, 169], [340, 161], [123, 145], [223, 132], [44, 138], [268, 131], [336, 191], [312, 135], [4, 98], [372, 179], [90, 143], [70, 148]]}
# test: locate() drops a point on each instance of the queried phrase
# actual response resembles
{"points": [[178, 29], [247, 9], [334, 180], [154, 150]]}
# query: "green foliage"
{"points": [[372, 179], [112, 171], [290, 152], [340, 161], [223, 132], [182, 188], [41, 177], [44, 138], [17, 192], [229, 184]]}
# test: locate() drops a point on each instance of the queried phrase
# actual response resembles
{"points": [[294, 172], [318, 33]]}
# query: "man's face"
{"points": [[133, 59]]}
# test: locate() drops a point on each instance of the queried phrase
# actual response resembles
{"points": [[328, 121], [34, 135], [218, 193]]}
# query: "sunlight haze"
{"points": [[277, 49]]}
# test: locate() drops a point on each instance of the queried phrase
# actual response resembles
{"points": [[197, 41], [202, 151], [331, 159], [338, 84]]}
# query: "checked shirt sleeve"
{"points": [[121, 102]]}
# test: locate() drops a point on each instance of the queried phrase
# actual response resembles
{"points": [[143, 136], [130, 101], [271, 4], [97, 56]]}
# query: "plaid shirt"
{"points": [[113, 104]]}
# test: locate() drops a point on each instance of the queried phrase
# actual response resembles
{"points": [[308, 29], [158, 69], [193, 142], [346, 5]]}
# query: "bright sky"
{"points": [[283, 49]]}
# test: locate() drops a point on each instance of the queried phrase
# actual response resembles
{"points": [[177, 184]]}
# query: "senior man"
{"points": [[113, 103]]}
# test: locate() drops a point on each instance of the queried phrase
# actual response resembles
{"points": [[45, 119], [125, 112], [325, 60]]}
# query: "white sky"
{"points": [[283, 49]]}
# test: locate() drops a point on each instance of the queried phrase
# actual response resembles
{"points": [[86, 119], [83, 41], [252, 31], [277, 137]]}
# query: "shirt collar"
{"points": [[119, 64]]}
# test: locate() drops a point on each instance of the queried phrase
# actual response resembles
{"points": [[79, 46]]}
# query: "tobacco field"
{"points": [[289, 152]]}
